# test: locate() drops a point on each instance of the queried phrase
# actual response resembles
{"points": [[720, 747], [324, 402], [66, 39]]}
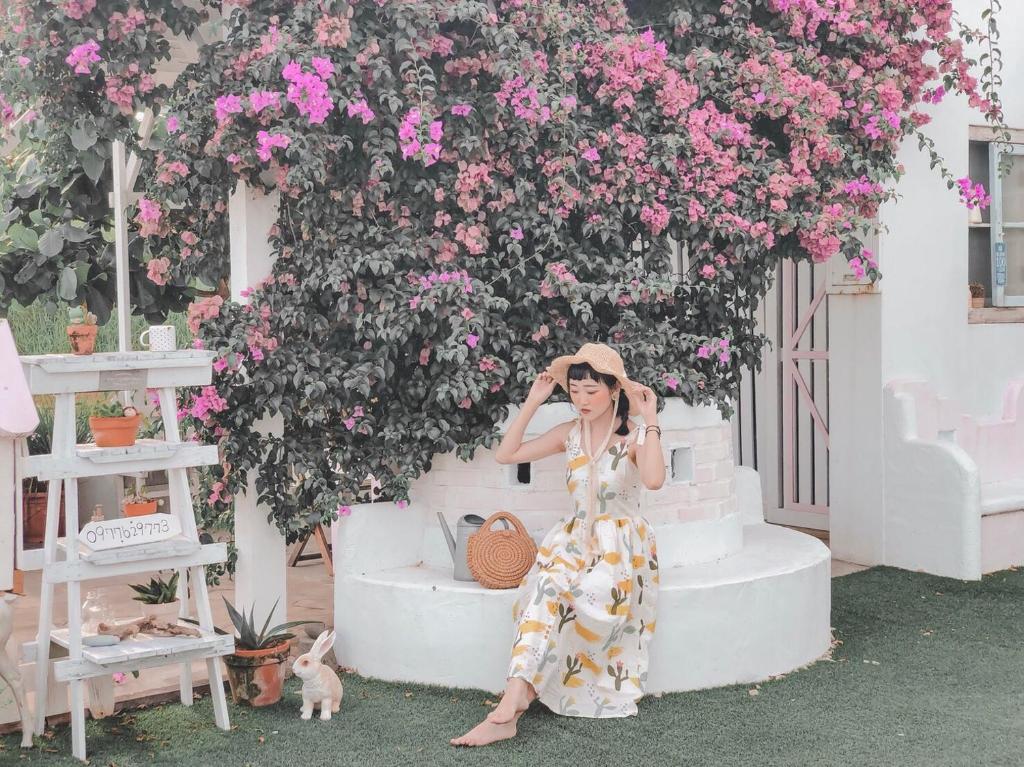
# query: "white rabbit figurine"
{"points": [[320, 685]]}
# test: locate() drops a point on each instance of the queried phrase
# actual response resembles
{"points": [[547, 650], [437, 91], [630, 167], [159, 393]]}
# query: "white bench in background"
{"points": [[954, 484]]}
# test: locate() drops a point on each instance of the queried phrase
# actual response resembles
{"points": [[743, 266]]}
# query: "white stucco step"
{"points": [[760, 612]]}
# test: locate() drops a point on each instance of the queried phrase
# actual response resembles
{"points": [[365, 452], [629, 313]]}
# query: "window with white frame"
{"points": [[996, 233]]}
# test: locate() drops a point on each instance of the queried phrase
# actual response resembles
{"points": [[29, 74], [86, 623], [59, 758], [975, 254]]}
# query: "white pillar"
{"points": [[260, 577]]}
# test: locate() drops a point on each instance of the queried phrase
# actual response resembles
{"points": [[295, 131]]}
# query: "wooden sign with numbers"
{"points": [[117, 533]]}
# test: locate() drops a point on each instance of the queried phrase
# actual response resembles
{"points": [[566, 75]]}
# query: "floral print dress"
{"points": [[584, 614]]}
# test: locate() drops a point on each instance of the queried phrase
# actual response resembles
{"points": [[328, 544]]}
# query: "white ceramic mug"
{"points": [[161, 338]]}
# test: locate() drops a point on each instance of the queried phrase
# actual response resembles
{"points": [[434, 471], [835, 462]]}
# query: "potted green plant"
{"points": [[113, 424], [160, 597], [81, 330], [256, 668], [139, 504], [977, 295]]}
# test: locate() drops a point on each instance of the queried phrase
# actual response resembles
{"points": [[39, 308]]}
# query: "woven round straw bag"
{"points": [[498, 559]]}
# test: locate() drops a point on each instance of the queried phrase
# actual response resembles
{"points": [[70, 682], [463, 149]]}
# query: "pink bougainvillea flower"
{"points": [[361, 110], [516, 233], [350, 423], [436, 130], [708, 271], [672, 382], [704, 352], [461, 110], [260, 100], [344, 511], [83, 56], [172, 124], [472, 340], [225, 106], [401, 504], [267, 141]]}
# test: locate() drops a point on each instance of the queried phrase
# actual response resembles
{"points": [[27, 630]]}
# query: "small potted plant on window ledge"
{"points": [[159, 598], [256, 668], [114, 425], [81, 330], [977, 295], [139, 504]]}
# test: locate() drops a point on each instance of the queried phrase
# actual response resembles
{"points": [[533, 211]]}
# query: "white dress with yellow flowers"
{"points": [[584, 615]]}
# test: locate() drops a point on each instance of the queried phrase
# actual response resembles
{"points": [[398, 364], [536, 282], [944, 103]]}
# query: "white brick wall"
{"points": [[482, 486]]}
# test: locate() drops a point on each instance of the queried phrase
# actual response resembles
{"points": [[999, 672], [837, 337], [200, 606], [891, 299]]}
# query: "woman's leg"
{"points": [[501, 724], [518, 696]]}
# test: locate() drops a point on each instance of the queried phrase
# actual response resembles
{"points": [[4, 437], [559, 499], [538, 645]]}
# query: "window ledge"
{"points": [[995, 315]]}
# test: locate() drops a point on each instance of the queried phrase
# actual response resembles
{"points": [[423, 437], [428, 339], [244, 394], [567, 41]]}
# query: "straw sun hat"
{"points": [[602, 359]]}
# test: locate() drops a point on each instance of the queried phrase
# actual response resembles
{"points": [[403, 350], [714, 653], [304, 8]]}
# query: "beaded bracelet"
{"points": [[655, 427]]}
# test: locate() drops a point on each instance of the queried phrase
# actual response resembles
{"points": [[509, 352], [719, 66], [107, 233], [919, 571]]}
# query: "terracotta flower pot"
{"points": [[256, 676], [139, 509], [977, 302], [119, 431], [82, 338], [33, 510]]}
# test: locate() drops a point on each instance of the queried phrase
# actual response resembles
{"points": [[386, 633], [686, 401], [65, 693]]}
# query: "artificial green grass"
{"points": [[37, 331], [930, 671]]}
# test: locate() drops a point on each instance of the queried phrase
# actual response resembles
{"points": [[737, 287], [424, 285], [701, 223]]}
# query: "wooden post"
{"points": [[260, 577]]}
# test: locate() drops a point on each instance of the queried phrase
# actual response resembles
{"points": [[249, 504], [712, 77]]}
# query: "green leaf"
{"points": [[51, 243], [83, 137], [67, 286], [93, 165]]}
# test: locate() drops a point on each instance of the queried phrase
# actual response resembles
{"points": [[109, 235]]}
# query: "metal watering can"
{"points": [[459, 544]]}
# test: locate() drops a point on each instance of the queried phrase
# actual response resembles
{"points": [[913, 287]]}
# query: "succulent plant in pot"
{"points": [[257, 666], [81, 330], [139, 504], [159, 597], [114, 425]]}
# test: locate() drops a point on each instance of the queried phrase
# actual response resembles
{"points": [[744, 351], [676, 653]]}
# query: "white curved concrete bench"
{"points": [[739, 600], [954, 484], [760, 612]]}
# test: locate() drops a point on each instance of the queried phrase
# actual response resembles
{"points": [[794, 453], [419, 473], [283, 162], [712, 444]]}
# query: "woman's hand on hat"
{"points": [[542, 388], [646, 401]]}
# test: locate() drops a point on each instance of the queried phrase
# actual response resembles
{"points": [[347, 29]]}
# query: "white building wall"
{"points": [[916, 326]]}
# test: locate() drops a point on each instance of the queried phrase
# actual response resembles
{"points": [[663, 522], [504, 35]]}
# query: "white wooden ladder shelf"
{"points": [[176, 546]]}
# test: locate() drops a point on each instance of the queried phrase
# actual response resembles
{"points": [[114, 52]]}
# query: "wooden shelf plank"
{"points": [[98, 462], [116, 371], [133, 654], [157, 559]]}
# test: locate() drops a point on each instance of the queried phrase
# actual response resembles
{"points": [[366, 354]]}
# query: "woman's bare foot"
{"points": [[518, 696], [488, 732]]}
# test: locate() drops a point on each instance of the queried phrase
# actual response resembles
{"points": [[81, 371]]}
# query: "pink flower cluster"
{"points": [[557, 273], [83, 56], [524, 100], [705, 351], [76, 9], [121, 88], [225, 106], [473, 237], [169, 172], [206, 402], [203, 309], [973, 195], [350, 422], [410, 134], [156, 270], [334, 31], [361, 110], [260, 100], [656, 216], [266, 142], [123, 24], [429, 281], [308, 90], [149, 217]]}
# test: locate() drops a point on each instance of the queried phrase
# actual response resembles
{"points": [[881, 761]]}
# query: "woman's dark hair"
{"points": [[582, 371]]}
